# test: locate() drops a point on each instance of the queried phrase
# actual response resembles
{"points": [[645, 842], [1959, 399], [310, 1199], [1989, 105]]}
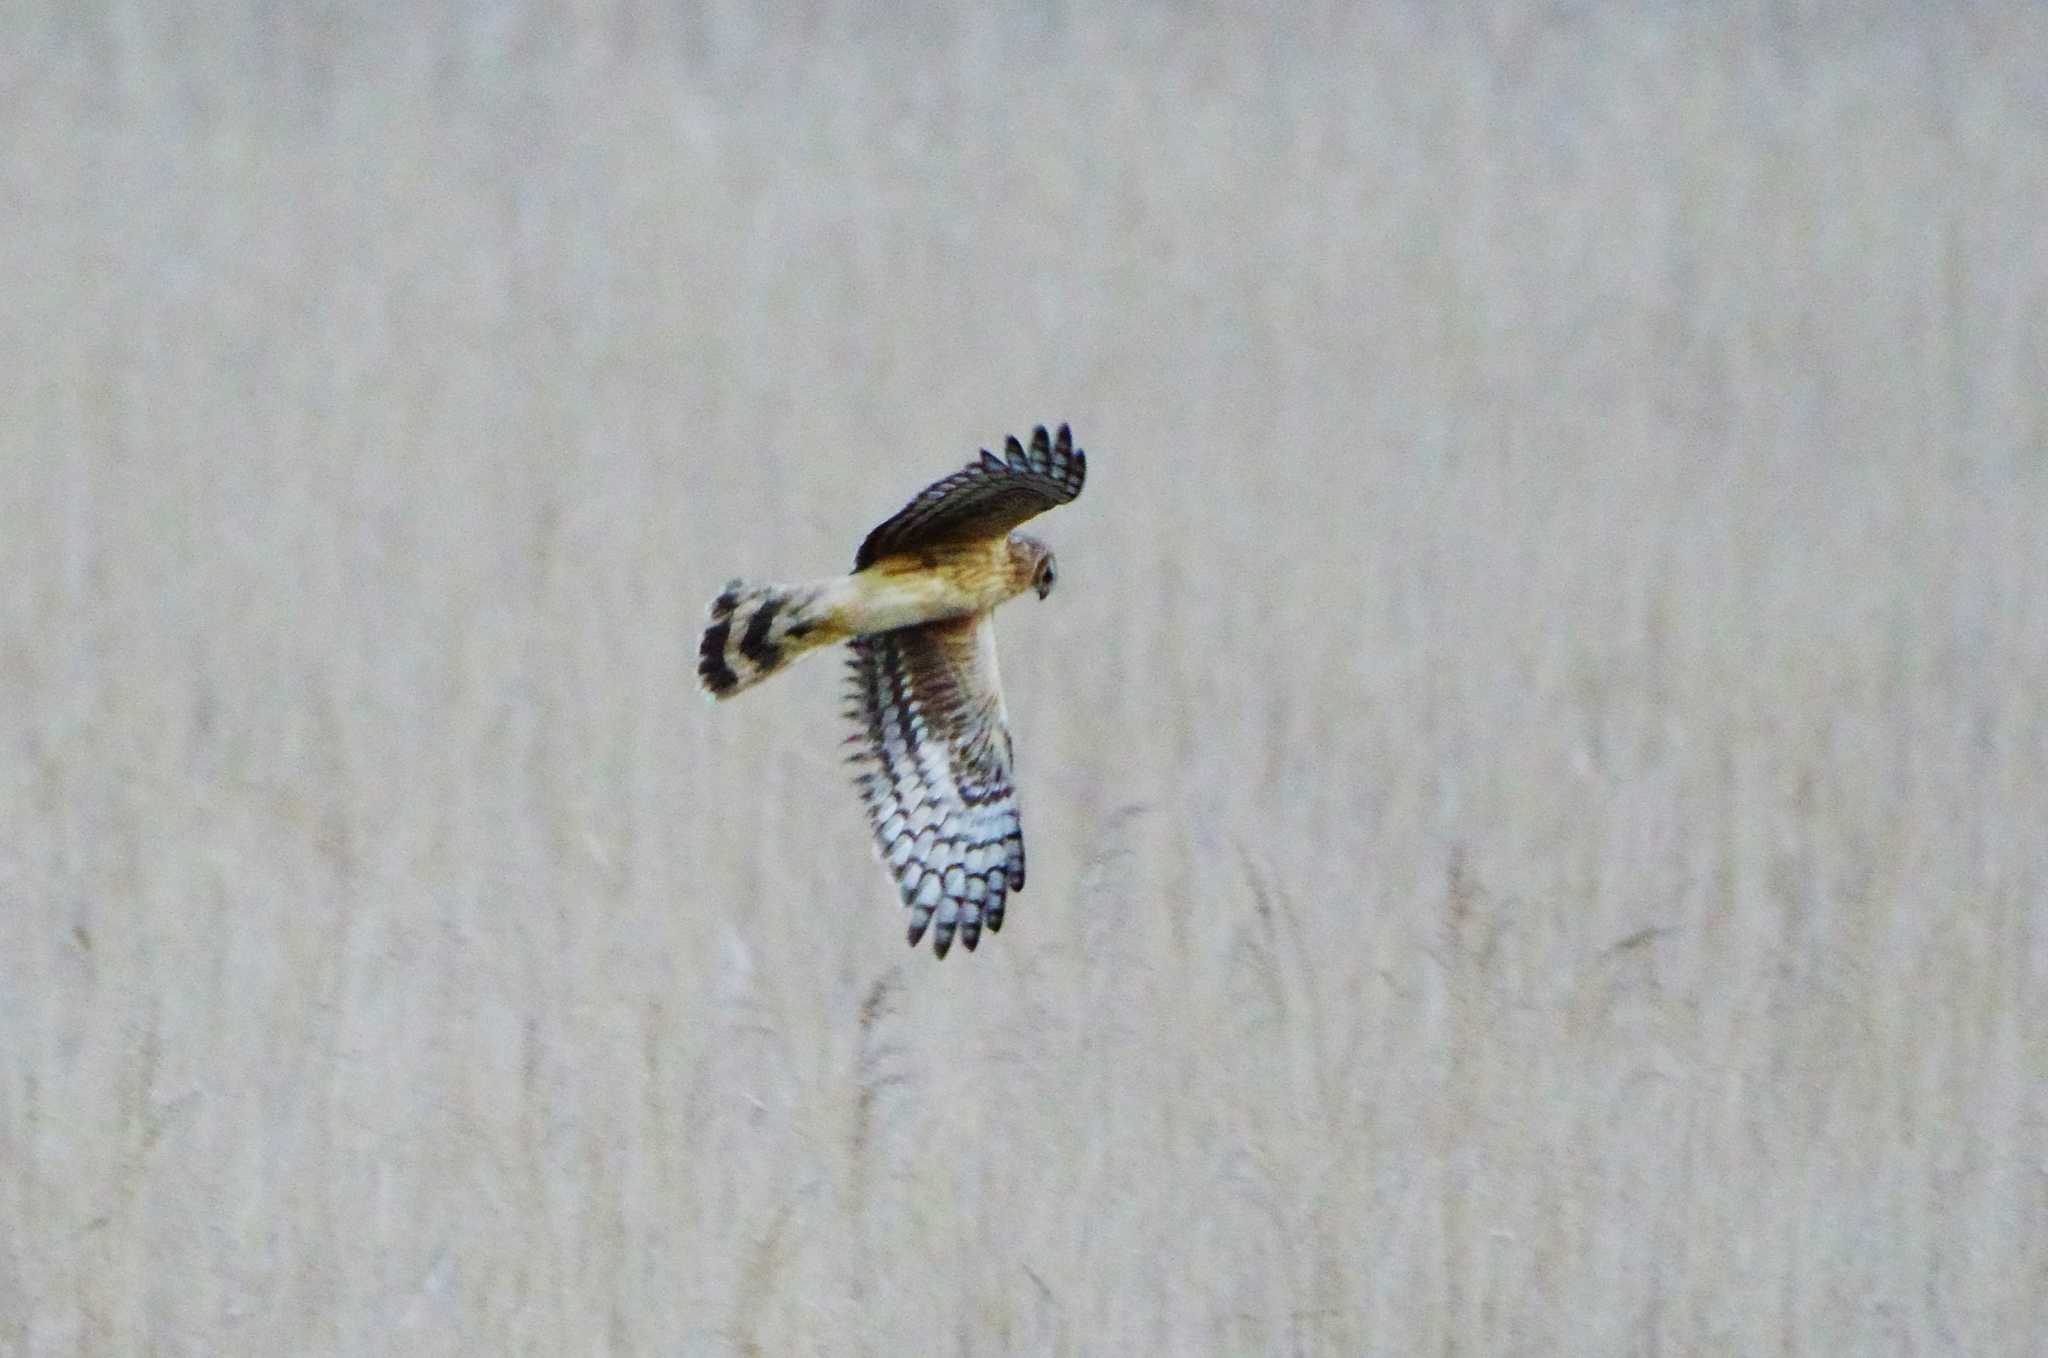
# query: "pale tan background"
{"points": [[1535, 772]]}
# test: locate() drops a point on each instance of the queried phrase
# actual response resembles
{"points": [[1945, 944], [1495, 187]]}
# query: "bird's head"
{"points": [[1037, 559]]}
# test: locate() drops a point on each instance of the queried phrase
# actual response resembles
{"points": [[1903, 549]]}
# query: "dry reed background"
{"points": [[1535, 773]]}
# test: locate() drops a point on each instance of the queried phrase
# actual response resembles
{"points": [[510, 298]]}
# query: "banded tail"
{"points": [[755, 630]]}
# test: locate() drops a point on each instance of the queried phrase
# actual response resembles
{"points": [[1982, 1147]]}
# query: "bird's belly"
{"points": [[883, 601]]}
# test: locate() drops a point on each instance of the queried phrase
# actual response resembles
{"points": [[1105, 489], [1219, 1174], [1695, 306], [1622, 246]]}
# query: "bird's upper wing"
{"points": [[984, 499], [935, 755]]}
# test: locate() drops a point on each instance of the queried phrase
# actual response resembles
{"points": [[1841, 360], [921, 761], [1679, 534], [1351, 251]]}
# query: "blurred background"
{"points": [[1534, 773]]}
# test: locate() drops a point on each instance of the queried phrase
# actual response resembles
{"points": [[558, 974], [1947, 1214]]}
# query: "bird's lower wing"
{"points": [[934, 751]]}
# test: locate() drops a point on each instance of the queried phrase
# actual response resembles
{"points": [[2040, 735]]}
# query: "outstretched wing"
{"points": [[935, 750], [984, 499]]}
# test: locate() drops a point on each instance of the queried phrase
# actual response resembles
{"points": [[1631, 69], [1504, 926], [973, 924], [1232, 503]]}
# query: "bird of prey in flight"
{"points": [[918, 615]]}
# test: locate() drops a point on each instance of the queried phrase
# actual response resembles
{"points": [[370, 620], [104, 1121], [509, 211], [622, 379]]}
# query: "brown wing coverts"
{"points": [[936, 775], [986, 498]]}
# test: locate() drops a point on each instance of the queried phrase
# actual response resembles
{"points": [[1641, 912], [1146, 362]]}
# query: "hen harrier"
{"points": [[919, 614]]}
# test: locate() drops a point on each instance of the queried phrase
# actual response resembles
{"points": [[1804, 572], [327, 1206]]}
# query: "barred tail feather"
{"points": [[755, 630]]}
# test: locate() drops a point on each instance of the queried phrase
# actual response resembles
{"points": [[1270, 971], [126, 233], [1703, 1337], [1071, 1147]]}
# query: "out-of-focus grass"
{"points": [[1534, 773]]}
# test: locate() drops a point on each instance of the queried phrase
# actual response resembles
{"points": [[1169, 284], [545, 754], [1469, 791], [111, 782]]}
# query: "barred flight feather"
{"points": [[755, 630], [937, 775]]}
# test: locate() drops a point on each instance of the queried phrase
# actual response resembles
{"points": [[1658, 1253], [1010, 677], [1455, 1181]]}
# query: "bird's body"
{"points": [[903, 589], [926, 696]]}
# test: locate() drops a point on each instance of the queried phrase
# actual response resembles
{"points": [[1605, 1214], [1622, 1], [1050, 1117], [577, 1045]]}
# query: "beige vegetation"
{"points": [[1535, 771]]}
